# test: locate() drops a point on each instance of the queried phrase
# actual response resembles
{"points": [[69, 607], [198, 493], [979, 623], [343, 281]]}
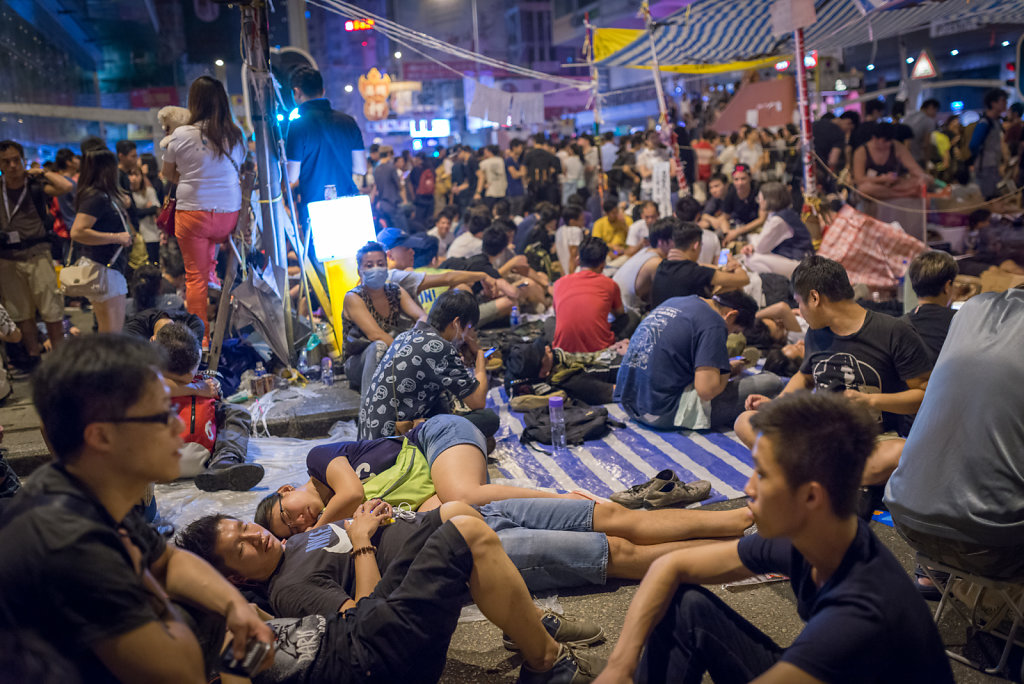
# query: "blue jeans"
{"points": [[699, 634], [551, 541], [440, 433]]}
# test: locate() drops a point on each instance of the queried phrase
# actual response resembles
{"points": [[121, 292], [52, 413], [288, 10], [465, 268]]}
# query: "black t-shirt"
{"points": [[108, 220], [714, 206], [317, 574], [865, 624], [827, 137], [680, 279], [741, 210], [878, 358], [931, 322], [368, 457], [861, 134], [542, 167], [143, 323], [66, 575]]}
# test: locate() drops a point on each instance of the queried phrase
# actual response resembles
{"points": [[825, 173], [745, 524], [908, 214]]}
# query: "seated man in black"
{"points": [[864, 621], [391, 593], [681, 276], [78, 564], [932, 275], [422, 372]]}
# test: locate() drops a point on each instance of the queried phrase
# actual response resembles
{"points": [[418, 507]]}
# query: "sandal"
{"points": [[929, 592]]}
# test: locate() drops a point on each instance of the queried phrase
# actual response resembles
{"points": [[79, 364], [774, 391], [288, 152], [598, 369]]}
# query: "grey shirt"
{"points": [[961, 474]]}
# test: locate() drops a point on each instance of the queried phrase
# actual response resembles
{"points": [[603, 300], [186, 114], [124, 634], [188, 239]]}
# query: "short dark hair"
{"points": [[308, 80], [873, 106], [740, 302], [8, 144], [515, 142], [426, 252], [993, 96], [200, 537], [686, 234], [776, 196], [930, 271], [171, 261], [828, 278], [775, 361], [371, 246], [478, 221], [265, 509], [930, 102], [90, 379], [852, 117], [663, 230], [592, 252], [977, 217], [450, 212], [609, 205], [881, 130], [540, 139], [124, 147], [688, 208], [494, 240], [822, 437], [571, 212], [502, 208], [64, 157], [451, 305], [146, 283], [182, 348], [720, 177]]}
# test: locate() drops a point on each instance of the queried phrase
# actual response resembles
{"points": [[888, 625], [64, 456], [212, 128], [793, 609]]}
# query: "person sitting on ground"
{"points": [[468, 243], [679, 274], [688, 210], [585, 300], [955, 495], [635, 277], [932, 275], [536, 368], [442, 229], [216, 433], [713, 211], [390, 595], [677, 373], [808, 459], [884, 169], [374, 312], [874, 359], [147, 323], [568, 237], [422, 369], [636, 239], [741, 206], [784, 240], [79, 566], [497, 261], [542, 214], [613, 227]]}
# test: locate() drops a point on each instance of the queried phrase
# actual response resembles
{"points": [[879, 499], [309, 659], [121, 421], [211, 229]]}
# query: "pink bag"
{"points": [[873, 253]]}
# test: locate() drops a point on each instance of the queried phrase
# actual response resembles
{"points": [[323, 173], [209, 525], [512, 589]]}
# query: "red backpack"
{"points": [[199, 414], [426, 184]]}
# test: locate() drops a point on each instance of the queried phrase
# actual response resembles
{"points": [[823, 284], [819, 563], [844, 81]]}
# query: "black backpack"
{"points": [[582, 422]]}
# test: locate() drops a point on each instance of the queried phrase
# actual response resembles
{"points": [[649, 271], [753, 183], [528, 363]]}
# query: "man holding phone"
{"points": [[680, 275]]}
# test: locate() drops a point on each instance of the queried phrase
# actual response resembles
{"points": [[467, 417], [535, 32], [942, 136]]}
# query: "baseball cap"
{"points": [[392, 237]]}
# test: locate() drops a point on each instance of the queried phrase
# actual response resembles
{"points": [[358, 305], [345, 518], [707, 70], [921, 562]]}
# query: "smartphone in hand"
{"points": [[723, 257]]}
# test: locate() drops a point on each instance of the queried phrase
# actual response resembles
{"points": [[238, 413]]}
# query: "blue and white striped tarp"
{"points": [[718, 31], [623, 458]]}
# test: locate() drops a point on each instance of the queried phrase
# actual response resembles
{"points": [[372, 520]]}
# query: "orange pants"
{"points": [[199, 233]]}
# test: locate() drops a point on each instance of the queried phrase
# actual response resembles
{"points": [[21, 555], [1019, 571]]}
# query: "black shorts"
{"points": [[401, 632]]}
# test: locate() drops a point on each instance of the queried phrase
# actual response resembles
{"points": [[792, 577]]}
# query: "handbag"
{"points": [[165, 220], [88, 278]]}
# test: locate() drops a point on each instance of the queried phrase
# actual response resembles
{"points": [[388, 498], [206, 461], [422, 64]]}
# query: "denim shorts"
{"points": [[437, 434], [551, 541]]}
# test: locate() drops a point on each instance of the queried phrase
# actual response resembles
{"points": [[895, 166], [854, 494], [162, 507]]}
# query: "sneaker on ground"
{"points": [[569, 668], [677, 494], [634, 496], [229, 475], [573, 632]]}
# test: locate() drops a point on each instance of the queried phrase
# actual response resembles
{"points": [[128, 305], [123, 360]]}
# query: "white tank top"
{"points": [[626, 277]]}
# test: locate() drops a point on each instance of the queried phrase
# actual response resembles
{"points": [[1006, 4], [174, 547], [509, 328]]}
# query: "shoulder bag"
{"points": [[88, 278]]}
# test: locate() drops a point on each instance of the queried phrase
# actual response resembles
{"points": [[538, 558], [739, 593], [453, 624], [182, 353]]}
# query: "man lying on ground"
{"points": [[537, 368], [864, 621], [390, 597]]}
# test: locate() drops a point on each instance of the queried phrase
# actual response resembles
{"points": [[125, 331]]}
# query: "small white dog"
{"points": [[170, 118]]}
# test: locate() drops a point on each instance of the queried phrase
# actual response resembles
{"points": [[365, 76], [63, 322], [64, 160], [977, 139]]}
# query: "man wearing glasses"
{"points": [[78, 564]]}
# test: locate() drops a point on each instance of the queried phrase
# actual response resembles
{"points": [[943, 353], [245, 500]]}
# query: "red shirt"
{"points": [[705, 153], [583, 301]]}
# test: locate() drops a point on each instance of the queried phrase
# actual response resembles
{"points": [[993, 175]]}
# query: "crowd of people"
{"points": [[359, 573]]}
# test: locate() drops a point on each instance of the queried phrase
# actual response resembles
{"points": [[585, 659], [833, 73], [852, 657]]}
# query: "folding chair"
{"points": [[1011, 593]]}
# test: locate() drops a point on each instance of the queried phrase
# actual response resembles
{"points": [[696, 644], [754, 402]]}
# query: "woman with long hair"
{"points": [[204, 159], [101, 233]]}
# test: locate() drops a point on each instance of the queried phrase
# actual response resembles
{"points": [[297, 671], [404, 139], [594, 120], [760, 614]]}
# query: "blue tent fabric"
{"points": [[718, 31]]}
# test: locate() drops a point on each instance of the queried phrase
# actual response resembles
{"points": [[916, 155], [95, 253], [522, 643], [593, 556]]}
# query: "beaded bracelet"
{"points": [[364, 549]]}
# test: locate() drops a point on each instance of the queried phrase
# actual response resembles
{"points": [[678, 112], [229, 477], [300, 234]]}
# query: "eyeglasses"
{"points": [[164, 417], [284, 517]]}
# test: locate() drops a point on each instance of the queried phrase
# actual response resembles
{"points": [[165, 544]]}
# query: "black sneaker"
{"points": [[229, 475], [634, 496], [569, 668], [677, 494], [573, 632]]}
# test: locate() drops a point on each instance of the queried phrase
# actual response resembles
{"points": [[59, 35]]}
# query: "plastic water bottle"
{"points": [[303, 362], [557, 413], [330, 192], [513, 316], [260, 370], [327, 370]]}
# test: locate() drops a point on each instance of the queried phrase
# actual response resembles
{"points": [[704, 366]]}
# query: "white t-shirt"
{"points": [[466, 245], [407, 280], [638, 232], [566, 237], [573, 175], [494, 177], [443, 243], [209, 182]]}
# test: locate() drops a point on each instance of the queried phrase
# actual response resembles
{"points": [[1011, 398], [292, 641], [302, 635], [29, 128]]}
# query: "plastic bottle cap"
{"points": [[555, 401]]}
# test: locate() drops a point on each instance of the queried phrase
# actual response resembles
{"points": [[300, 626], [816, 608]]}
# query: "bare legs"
{"points": [[110, 314], [670, 525]]}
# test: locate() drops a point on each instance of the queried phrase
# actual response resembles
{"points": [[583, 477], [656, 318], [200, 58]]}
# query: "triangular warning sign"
{"points": [[924, 67]]}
